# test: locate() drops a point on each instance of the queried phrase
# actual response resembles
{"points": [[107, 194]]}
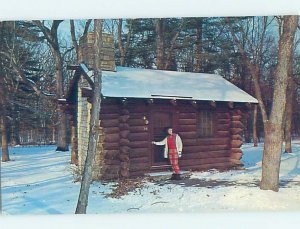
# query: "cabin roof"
{"points": [[152, 84]]}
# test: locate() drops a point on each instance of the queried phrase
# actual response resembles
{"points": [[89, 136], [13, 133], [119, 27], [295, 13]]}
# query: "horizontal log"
{"points": [[237, 124], [134, 174], [223, 121], [138, 129], [236, 150], [144, 136], [223, 115], [138, 109], [223, 133], [124, 158], [124, 111], [236, 162], [186, 128], [111, 130], [124, 118], [124, 149], [236, 143], [110, 110], [234, 131], [236, 118], [136, 122], [109, 101], [187, 121], [124, 133], [139, 144], [222, 166], [192, 149], [210, 154], [236, 156], [192, 162], [139, 160], [110, 168], [138, 115], [139, 167], [124, 165], [109, 116], [124, 142], [236, 112], [110, 154], [236, 137], [110, 123], [187, 115], [187, 135], [124, 126], [111, 162], [223, 127], [205, 141], [111, 146], [112, 138], [109, 177], [136, 153]]}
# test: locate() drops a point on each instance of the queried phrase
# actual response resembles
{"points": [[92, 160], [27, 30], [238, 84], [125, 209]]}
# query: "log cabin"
{"points": [[137, 104]]}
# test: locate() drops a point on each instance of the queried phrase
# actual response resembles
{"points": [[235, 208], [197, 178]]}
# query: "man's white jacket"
{"points": [[164, 142]]}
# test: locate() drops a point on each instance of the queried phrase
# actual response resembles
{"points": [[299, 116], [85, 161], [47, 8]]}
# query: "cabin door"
{"points": [[161, 120]]}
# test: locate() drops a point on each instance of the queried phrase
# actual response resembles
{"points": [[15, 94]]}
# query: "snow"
{"points": [[39, 180], [149, 83]]}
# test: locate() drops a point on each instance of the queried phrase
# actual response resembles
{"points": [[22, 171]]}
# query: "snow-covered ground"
{"points": [[39, 180]]}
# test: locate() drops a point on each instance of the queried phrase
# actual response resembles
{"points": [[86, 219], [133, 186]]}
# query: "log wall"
{"points": [[140, 143], [201, 153], [127, 150], [236, 130], [110, 117]]}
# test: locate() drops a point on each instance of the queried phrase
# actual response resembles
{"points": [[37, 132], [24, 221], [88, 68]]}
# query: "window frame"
{"points": [[203, 132]]}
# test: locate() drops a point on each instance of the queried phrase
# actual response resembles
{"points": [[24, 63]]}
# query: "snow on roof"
{"points": [[146, 83]]}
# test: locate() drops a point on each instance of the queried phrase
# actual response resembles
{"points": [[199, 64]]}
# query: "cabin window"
{"points": [[205, 125]]}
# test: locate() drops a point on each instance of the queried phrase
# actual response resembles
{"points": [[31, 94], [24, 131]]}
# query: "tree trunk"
{"points": [[62, 143], [198, 51], [121, 47], [254, 128], [94, 123], [289, 116], [160, 43], [274, 127], [74, 146], [15, 136], [3, 129], [5, 153]]}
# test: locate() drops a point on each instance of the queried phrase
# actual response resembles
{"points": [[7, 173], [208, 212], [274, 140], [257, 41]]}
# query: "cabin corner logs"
{"points": [[127, 128]]}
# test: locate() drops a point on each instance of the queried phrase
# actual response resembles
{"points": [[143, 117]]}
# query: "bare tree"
{"points": [[198, 45], [165, 56], [273, 125], [3, 128], [94, 123], [51, 36], [123, 48], [160, 43], [290, 94]]}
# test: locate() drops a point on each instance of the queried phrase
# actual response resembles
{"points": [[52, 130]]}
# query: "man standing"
{"points": [[173, 150]]}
